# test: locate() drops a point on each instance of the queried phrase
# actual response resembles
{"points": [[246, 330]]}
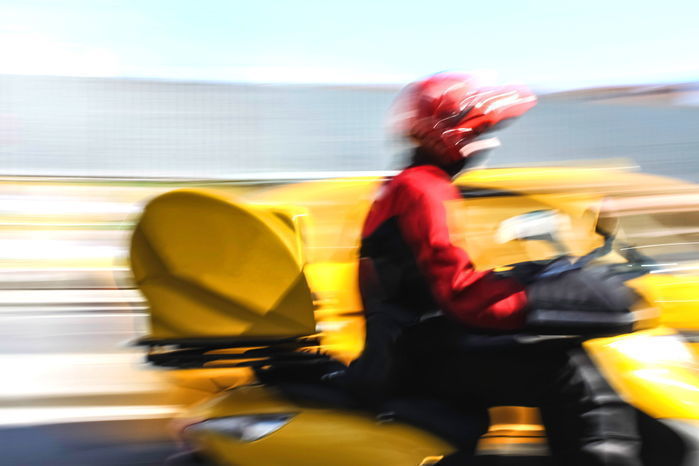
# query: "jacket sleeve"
{"points": [[477, 298]]}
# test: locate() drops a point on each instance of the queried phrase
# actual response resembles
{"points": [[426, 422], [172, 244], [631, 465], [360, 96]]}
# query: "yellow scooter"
{"points": [[228, 287]]}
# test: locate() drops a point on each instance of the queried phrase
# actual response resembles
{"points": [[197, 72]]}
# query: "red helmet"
{"points": [[446, 112]]}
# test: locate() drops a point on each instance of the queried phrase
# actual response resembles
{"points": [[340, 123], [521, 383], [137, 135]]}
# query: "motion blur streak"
{"points": [[68, 306], [31, 416]]}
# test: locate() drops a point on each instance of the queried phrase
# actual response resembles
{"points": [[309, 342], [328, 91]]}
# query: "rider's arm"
{"points": [[477, 298]]}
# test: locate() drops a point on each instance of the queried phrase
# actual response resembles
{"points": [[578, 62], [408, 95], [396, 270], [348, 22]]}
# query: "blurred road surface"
{"points": [[73, 391], [87, 444]]}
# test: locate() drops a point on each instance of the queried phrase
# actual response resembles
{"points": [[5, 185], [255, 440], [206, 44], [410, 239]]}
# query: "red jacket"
{"points": [[416, 199]]}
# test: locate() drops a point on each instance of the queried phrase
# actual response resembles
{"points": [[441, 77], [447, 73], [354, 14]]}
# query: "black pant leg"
{"points": [[587, 422]]}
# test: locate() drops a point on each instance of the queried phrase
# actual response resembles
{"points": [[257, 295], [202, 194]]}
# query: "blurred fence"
{"points": [[79, 126], [129, 127]]}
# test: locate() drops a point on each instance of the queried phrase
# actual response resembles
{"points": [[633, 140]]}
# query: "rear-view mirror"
{"points": [[543, 225]]}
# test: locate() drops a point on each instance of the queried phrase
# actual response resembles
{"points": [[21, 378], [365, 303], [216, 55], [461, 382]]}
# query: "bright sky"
{"points": [[549, 44]]}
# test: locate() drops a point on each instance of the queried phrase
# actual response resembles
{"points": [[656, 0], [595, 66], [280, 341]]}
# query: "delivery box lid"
{"points": [[212, 267]]}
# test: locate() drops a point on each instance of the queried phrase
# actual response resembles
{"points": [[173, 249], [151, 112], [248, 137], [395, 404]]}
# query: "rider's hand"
{"points": [[527, 272]]}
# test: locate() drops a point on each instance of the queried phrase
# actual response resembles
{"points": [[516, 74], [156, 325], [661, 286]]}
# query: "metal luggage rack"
{"points": [[193, 353]]}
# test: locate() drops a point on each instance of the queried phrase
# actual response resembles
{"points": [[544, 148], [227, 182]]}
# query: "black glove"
{"points": [[596, 289]]}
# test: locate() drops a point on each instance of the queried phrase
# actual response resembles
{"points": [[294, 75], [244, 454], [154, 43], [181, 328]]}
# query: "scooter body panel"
{"points": [[654, 370], [312, 436]]}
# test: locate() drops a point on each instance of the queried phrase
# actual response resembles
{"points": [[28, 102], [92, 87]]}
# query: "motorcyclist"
{"points": [[409, 269]]}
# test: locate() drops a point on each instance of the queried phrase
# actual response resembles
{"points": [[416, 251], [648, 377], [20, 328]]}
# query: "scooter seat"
{"points": [[460, 427]]}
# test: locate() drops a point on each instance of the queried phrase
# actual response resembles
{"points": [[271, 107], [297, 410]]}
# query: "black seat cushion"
{"points": [[459, 426]]}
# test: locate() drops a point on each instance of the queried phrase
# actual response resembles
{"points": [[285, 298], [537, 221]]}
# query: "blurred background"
{"points": [[106, 103]]}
